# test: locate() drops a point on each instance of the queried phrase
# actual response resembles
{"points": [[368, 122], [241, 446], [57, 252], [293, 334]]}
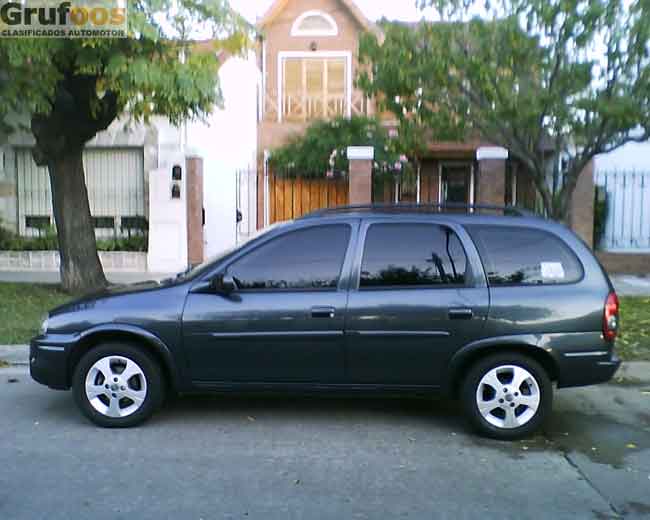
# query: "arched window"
{"points": [[314, 23]]}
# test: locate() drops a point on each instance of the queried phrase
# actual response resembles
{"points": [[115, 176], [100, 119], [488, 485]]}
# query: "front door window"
{"points": [[308, 259]]}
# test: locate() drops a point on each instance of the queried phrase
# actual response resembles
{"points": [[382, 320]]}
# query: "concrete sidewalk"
{"points": [[15, 354], [628, 285], [53, 277]]}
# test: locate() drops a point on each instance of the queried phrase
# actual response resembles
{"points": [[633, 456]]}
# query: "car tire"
{"points": [[506, 396], [118, 385]]}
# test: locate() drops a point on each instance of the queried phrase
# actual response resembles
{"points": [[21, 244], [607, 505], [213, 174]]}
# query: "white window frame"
{"points": [[282, 55], [297, 31]]}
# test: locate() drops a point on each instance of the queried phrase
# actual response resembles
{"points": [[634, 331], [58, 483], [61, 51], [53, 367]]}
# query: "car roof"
{"points": [[453, 211], [462, 214]]}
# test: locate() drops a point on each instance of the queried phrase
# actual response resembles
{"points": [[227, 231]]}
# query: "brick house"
{"points": [[307, 57]]}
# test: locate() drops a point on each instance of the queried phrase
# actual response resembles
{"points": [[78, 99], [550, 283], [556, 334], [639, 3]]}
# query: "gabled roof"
{"points": [[278, 6]]}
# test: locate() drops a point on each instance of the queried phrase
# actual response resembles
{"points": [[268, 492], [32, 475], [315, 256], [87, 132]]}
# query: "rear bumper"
{"points": [[587, 369], [48, 362]]}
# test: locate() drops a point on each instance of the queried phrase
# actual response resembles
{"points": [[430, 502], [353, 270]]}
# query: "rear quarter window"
{"points": [[523, 256]]}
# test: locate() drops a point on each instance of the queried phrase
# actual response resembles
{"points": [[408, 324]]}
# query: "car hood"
{"points": [[111, 291]]}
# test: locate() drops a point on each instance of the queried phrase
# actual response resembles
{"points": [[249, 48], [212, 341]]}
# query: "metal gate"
{"points": [[115, 182], [246, 203], [627, 227]]}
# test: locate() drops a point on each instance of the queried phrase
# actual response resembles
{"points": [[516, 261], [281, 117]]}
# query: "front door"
{"points": [[284, 322], [456, 185], [414, 304]]}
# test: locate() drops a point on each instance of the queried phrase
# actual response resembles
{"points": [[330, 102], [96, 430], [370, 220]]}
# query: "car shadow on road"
{"points": [[312, 408]]}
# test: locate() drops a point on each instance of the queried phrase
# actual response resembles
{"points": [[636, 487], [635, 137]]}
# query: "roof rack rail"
{"points": [[425, 208]]}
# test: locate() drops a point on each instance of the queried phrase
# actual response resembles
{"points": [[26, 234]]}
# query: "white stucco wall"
{"points": [[629, 157], [227, 142]]}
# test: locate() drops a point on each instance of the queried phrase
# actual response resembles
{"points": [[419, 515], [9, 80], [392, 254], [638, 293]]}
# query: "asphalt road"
{"points": [[320, 458]]}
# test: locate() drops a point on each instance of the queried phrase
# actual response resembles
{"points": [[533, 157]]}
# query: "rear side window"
{"points": [[412, 255], [310, 258], [522, 256]]}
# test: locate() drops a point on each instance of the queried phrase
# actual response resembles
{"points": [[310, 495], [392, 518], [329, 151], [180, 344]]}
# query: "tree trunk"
{"points": [[81, 270]]}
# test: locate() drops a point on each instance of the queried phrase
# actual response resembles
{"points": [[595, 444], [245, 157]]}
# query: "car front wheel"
{"points": [[117, 385], [507, 396]]}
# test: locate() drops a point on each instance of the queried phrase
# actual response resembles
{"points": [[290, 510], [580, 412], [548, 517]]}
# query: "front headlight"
{"points": [[44, 325]]}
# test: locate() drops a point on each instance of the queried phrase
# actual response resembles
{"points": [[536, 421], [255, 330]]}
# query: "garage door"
{"points": [[115, 181]]}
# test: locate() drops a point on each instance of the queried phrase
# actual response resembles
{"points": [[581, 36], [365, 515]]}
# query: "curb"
{"points": [[633, 372], [15, 354], [630, 372]]}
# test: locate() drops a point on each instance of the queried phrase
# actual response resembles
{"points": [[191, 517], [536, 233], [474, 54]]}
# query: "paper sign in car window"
{"points": [[552, 270]]}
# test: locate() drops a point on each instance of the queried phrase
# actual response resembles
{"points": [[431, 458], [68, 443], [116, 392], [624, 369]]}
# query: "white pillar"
{"points": [[167, 219]]}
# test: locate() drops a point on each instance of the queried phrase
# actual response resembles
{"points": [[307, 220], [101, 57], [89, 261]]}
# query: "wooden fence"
{"points": [[292, 198]]}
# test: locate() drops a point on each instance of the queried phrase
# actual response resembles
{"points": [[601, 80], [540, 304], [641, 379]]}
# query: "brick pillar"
{"points": [[491, 182], [260, 191], [194, 171], [360, 158], [581, 208]]}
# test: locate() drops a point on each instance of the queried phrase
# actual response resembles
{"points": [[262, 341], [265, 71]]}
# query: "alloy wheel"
{"points": [[116, 386], [508, 396]]}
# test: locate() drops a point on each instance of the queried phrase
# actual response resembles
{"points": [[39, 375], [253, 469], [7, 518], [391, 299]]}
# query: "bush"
{"points": [[323, 148], [601, 211], [5, 237], [135, 243], [48, 241]]}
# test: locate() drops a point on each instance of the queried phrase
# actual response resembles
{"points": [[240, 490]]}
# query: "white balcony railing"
{"points": [[298, 107]]}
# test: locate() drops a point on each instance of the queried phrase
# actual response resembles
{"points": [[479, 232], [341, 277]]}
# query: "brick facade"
{"points": [[194, 172], [490, 173], [276, 27], [491, 182], [581, 213], [624, 263], [360, 182]]}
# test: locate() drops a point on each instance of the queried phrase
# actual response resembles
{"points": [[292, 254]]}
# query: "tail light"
{"points": [[610, 317]]}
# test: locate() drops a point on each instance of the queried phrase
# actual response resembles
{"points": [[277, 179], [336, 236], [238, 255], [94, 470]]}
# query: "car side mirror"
{"points": [[224, 284]]}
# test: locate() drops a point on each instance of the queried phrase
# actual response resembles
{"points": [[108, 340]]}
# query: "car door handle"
{"points": [[461, 314], [323, 312]]}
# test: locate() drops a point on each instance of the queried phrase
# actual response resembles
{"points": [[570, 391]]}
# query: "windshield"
{"points": [[201, 268]]}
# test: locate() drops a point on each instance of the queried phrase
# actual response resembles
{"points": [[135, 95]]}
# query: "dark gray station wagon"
{"points": [[493, 310]]}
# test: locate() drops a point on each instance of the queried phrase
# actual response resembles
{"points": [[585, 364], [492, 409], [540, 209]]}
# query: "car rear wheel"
{"points": [[506, 396], [117, 385]]}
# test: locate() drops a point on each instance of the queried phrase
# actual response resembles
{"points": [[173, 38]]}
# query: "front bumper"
{"points": [[49, 361], [583, 370]]}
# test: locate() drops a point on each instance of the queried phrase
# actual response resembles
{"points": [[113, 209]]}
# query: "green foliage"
{"points": [[633, 343], [406, 73], [134, 243], [22, 307], [323, 148], [65, 91], [156, 71], [48, 241], [544, 79], [5, 235]]}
